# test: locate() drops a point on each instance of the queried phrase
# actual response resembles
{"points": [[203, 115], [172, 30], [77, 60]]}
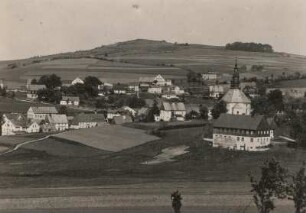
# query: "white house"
{"points": [[58, 121], [133, 87], [16, 122], [157, 80], [130, 110], [216, 91], [112, 113], [77, 80], [172, 111], [155, 89], [83, 120], [210, 76], [120, 89], [40, 113], [32, 90], [169, 95], [241, 132], [70, 100]]}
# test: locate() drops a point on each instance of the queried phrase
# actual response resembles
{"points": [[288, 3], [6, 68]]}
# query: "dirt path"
{"points": [[16, 147]]}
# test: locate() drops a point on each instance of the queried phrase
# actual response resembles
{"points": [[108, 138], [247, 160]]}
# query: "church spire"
{"points": [[235, 82]]}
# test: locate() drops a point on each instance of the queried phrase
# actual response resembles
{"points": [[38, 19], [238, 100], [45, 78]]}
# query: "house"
{"points": [[273, 126], [111, 113], [155, 89], [32, 90], [157, 80], [40, 113], [83, 120], [15, 123], [216, 91], [120, 89], [210, 76], [77, 80], [58, 122], [241, 132], [177, 90], [130, 110], [172, 111], [169, 95], [133, 87], [70, 100], [118, 120], [237, 103]]}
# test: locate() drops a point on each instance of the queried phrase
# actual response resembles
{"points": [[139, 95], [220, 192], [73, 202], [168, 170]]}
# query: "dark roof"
{"points": [[257, 122], [122, 119], [88, 118]]}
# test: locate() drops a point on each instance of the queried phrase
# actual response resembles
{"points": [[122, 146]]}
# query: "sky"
{"points": [[42, 27]]}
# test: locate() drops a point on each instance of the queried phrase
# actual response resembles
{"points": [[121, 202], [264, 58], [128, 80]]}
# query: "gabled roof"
{"points": [[70, 98], [175, 106], [44, 110], [58, 119], [17, 119], [235, 96], [35, 87], [246, 122], [83, 118]]}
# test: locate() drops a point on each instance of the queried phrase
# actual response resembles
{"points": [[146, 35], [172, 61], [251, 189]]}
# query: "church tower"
{"points": [[237, 103], [235, 82]]}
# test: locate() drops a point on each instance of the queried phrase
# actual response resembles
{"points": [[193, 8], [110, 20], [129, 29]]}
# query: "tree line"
{"points": [[250, 47]]}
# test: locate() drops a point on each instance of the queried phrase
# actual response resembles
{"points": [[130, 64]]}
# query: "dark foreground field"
{"points": [[53, 163]]}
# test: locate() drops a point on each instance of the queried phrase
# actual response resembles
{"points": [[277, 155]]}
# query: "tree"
{"points": [[49, 95], [135, 102], [91, 84], [176, 199], [63, 110], [297, 190], [219, 108], [203, 112], [275, 97], [298, 128], [51, 81], [271, 185], [153, 111], [34, 81], [192, 115]]}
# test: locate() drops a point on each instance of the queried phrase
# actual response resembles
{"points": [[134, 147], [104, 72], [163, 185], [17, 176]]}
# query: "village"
{"points": [[227, 105]]}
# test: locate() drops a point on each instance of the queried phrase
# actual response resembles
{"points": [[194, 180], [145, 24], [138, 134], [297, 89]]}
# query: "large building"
{"points": [[241, 132], [237, 103]]}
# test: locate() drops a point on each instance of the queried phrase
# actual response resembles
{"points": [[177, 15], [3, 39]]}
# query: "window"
{"points": [[242, 139], [251, 139], [238, 139]]}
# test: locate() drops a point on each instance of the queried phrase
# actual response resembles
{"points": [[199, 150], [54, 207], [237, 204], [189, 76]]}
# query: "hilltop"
{"points": [[127, 61]]}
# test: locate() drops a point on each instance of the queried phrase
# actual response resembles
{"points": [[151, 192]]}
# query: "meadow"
{"points": [[45, 163]]}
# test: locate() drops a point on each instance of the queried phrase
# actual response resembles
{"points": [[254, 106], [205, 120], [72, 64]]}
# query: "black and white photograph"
{"points": [[153, 106]]}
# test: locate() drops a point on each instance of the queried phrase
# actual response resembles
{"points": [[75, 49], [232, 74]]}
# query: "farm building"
{"points": [[241, 132], [15, 123], [172, 111], [40, 113], [169, 95], [32, 90], [58, 122], [237, 103], [70, 100], [83, 120], [157, 80], [133, 87], [210, 77]]}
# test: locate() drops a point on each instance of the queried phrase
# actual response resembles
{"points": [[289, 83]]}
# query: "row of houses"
{"points": [[47, 119]]}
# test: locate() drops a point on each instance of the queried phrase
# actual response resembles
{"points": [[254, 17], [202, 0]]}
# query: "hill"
{"points": [[127, 61]]}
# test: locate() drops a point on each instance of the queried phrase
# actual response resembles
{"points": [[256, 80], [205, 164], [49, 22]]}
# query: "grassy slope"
{"points": [[40, 168], [136, 58]]}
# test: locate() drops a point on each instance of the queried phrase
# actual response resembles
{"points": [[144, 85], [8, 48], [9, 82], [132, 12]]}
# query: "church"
{"points": [[237, 129], [237, 103]]}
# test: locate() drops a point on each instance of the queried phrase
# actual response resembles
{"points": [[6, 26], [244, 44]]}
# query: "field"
{"points": [[17, 106], [52, 163], [127, 61], [111, 138]]}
